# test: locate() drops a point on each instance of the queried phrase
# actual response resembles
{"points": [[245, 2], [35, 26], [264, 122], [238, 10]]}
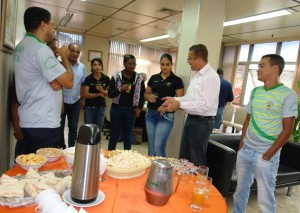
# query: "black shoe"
{"points": [[62, 147], [136, 143]]}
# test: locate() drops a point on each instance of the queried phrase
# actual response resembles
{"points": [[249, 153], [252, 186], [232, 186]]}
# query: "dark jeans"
{"points": [[197, 130], [20, 147], [37, 138], [121, 118], [72, 113]]}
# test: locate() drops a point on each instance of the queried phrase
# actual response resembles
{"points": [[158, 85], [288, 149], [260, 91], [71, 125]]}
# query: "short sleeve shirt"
{"points": [[91, 82], [71, 96], [35, 66], [267, 108], [163, 88]]}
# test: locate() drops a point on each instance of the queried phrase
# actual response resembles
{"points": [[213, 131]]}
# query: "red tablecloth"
{"points": [[127, 196]]}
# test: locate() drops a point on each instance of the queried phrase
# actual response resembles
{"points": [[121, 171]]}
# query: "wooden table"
{"points": [[127, 196]]}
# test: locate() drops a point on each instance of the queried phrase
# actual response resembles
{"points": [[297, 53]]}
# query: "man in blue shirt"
{"points": [[225, 95], [72, 97]]}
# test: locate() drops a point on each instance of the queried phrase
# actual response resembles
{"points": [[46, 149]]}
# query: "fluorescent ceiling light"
{"points": [[154, 38], [258, 17], [66, 18]]}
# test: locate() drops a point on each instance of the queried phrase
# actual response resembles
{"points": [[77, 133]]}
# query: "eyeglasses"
{"points": [[191, 58]]}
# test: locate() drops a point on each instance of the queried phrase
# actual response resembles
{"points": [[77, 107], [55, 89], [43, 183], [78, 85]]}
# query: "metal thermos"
{"points": [[85, 177], [159, 184]]}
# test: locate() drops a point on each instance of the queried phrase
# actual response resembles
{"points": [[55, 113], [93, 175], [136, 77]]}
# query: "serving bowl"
{"points": [[69, 155], [34, 161], [52, 154]]}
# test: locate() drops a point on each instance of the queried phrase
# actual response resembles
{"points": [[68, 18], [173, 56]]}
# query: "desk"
{"points": [[127, 196]]}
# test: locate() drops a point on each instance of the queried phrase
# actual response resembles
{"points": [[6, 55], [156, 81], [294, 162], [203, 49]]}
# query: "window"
{"points": [[239, 74], [245, 77], [68, 38], [251, 82], [262, 49], [289, 51], [147, 59], [244, 52]]}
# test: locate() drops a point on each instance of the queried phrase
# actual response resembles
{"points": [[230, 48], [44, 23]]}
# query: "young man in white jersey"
{"points": [[272, 110], [39, 77]]}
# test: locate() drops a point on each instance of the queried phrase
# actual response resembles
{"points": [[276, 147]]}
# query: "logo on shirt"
{"points": [[50, 62], [169, 84], [269, 105]]}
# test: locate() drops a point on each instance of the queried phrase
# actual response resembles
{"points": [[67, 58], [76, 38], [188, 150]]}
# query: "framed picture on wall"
{"points": [[9, 11], [94, 54]]}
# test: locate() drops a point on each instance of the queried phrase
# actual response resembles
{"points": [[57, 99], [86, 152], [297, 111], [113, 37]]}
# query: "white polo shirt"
{"points": [[35, 66]]}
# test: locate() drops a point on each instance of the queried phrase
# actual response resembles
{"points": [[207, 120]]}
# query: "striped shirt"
{"points": [[267, 108]]}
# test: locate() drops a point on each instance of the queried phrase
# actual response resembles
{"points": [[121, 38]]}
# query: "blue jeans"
{"points": [[94, 115], [37, 138], [195, 138], [121, 118], [250, 165], [72, 113], [219, 117], [158, 130]]}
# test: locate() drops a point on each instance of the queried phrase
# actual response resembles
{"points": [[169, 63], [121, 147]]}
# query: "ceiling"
{"points": [[132, 20]]}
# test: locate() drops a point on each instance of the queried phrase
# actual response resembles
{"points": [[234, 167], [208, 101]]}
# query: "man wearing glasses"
{"points": [[39, 78], [201, 104]]}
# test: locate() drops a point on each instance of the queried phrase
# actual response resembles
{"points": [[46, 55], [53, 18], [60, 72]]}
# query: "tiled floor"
{"points": [[285, 204]]}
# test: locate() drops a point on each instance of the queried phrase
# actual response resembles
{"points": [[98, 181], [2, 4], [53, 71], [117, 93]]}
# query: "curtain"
{"points": [[229, 63], [147, 58], [68, 38]]}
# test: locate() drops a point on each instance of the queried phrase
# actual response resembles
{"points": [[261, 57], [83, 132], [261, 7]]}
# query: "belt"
{"points": [[122, 107], [93, 107], [200, 116]]}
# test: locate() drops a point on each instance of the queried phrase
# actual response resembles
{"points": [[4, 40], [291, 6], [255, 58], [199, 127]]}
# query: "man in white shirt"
{"points": [[39, 77], [201, 103]]}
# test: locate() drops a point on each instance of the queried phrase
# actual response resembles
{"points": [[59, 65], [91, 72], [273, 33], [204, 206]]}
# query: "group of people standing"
{"points": [[48, 91], [47, 88]]}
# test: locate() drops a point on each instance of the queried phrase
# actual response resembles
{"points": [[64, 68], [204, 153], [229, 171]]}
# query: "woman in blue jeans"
{"points": [[95, 88], [158, 122]]}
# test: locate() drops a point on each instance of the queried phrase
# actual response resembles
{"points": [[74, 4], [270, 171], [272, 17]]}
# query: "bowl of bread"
{"points": [[52, 154], [32, 160]]}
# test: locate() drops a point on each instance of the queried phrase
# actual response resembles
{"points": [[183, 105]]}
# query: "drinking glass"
{"points": [[129, 88], [202, 173], [200, 193]]}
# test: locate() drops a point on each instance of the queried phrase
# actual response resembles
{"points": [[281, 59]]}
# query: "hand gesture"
{"points": [[63, 51], [55, 85], [99, 88], [152, 98]]}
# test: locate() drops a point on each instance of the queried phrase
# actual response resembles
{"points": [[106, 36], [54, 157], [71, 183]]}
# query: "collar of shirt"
{"points": [[204, 69]]}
